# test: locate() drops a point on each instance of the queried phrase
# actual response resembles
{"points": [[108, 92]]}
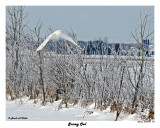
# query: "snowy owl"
{"points": [[56, 35]]}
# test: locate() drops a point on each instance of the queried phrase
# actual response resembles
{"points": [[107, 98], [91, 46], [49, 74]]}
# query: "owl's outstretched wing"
{"points": [[51, 36], [54, 36], [69, 39]]}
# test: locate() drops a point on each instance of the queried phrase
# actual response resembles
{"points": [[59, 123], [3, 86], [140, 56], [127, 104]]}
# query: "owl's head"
{"points": [[57, 32]]}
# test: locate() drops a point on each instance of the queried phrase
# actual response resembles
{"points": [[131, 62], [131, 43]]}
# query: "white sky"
{"points": [[89, 22]]}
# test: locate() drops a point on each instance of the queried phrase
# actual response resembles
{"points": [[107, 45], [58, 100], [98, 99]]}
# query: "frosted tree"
{"points": [[15, 40], [136, 75]]}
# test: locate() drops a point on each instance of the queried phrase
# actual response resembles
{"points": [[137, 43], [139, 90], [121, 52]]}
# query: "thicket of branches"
{"points": [[125, 84]]}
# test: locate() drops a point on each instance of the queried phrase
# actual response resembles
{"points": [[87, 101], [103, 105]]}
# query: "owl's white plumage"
{"points": [[57, 34]]}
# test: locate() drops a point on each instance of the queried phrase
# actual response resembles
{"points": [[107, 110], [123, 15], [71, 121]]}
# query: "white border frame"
{"points": [[62, 124]]}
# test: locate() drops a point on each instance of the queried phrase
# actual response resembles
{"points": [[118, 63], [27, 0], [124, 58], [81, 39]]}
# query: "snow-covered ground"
{"points": [[26, 110]]}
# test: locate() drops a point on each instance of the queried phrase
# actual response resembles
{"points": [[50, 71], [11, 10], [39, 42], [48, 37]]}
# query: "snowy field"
{"points": [[26, 110]]}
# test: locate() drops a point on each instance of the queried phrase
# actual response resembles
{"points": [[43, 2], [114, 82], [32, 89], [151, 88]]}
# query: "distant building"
{"points": [[151, 50], [146, 47]]}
